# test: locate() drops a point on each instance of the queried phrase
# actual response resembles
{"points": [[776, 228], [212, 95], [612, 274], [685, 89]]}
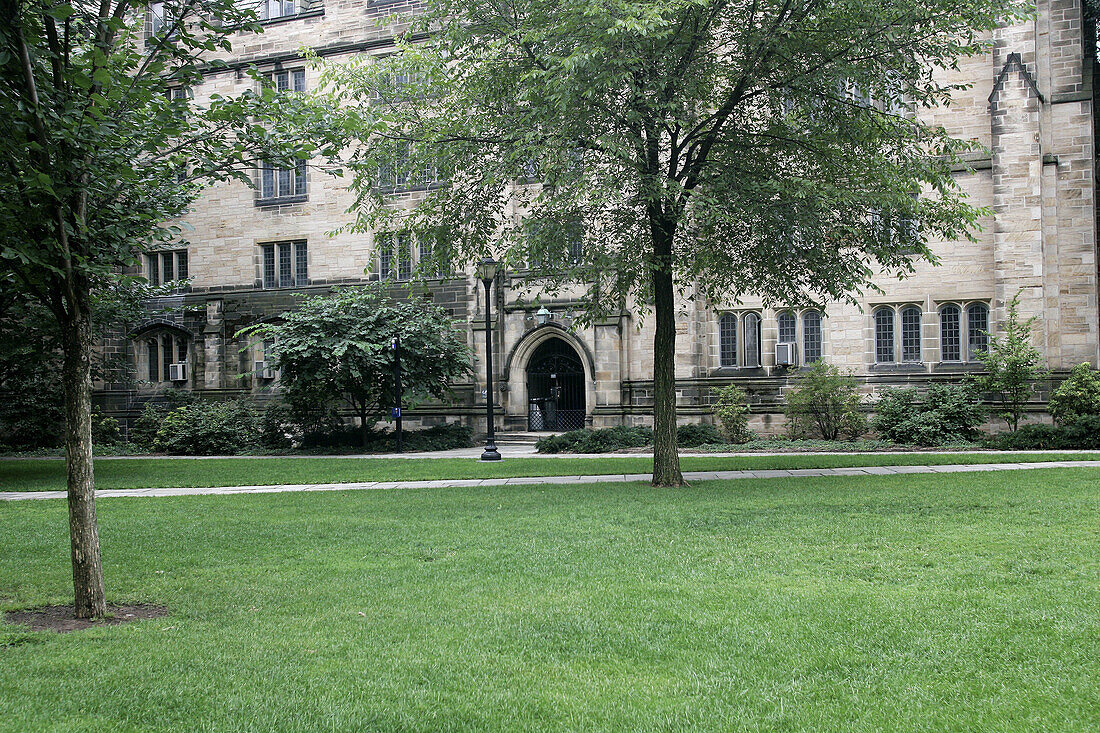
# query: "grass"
{"points": [[136, 473], [919, 602]]}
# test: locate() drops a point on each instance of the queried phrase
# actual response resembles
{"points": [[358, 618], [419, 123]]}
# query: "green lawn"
{"points": [[136, 473], [920, 602]]}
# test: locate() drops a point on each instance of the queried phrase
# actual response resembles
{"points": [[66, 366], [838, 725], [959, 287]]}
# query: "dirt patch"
{"points": [[62, 619]]}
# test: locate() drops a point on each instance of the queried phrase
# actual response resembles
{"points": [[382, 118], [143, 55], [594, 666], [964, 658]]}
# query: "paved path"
{"points": [[608, 478]]}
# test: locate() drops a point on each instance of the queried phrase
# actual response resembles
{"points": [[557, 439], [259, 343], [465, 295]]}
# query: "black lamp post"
{"points": [[487, 272]]}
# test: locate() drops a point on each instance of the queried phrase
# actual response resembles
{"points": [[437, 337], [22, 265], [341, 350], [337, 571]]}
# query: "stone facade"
{"points": [[1030, 101]]}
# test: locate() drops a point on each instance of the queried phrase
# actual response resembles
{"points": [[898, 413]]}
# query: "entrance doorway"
{"points": [[555, 387]]}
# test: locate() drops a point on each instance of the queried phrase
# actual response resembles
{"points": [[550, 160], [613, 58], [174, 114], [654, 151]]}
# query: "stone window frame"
{"points": [[157, 263], [820, 346], [966, 339], [150, 353], [277, 186], [271, 268], [900, 347]]}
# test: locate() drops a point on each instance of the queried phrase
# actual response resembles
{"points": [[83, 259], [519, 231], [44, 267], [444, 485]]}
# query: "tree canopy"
{"points": [[723, 148]]}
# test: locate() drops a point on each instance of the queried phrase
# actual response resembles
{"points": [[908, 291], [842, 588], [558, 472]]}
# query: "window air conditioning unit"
{"points": [[264, 370], [784, 354], [178, 372]]}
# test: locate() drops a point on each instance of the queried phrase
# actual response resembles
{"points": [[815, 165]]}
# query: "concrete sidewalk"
{"points": [[527, 480]]}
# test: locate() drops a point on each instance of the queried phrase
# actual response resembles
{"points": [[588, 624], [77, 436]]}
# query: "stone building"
{"points": [[1031, 103]]}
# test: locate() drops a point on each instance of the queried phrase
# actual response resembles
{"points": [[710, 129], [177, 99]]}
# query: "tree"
{"points": [[339, 348], [713, 147], [1013, 365], [100, 149]]}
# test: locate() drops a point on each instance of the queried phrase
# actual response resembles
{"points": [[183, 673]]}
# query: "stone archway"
{"points": [[556, 387]]}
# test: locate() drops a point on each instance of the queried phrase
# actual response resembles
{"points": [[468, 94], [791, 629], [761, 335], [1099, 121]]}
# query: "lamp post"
{"points": [[395, 345], [487, 272]]}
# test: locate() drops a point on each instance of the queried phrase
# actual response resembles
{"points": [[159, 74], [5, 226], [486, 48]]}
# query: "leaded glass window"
{"points": [[727, 340], [751, 325], [884, 335], [977, 325], [910, 334], [811, 336], [950, 334], [787, 329]]}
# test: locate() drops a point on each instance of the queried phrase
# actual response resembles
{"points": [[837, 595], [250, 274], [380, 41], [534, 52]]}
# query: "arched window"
{"points": [[950, 333], [163, 349], [786, 324], [811, 336], [751, 324], [977, 324], [910, 334], [884, 335], [727, 340]]}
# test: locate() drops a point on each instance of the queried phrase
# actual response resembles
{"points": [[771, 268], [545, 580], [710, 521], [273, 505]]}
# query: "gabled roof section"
{"points": [[1014, 60]]}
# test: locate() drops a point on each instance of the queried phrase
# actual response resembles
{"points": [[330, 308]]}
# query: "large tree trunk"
{"points": [[666, 457], [83, 530]]}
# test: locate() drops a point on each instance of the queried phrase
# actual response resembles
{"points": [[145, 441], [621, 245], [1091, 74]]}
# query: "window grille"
{"points": [[884, 335], [977, 324], [786, 325], [811, 336], [950, 334], [751, 324], [910, 334], [727, 340]]}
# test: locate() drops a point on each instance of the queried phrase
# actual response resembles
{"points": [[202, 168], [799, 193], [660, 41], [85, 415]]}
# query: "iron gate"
{"points": [[555, 388]]}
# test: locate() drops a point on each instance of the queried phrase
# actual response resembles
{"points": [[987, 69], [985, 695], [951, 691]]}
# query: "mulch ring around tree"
{"points": [[62, 619]]}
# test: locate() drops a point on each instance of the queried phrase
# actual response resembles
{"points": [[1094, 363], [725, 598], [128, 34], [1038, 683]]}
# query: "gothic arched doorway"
{"points": [[555, 387]]}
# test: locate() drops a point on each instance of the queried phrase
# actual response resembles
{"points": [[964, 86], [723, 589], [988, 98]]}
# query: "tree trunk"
{"points": [[90, 595], [666, 457]]}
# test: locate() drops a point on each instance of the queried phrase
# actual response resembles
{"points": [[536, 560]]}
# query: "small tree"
{"points": [[1013, 365], [338, 348], [732, 412], [1076, 397], [823, 401]]}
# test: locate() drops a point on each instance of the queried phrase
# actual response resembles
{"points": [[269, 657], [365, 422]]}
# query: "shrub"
{"points": [[823, 402], [948, 413], [696, 434], [105, 429], [1081, 434], [439, 437], [732, 412], [604, 440], [277, 427], [143, 431], [209, 428], [1077, 396]]}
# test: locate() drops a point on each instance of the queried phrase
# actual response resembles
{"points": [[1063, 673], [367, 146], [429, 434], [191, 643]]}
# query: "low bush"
{"points": [[823, 402], [209, 428], [695, 434], [603, 440], [143, 431], [1081, 434], [439, 437], [1077, 396], [277, 427], [105, 429], [948, 413], [732, 412]]}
